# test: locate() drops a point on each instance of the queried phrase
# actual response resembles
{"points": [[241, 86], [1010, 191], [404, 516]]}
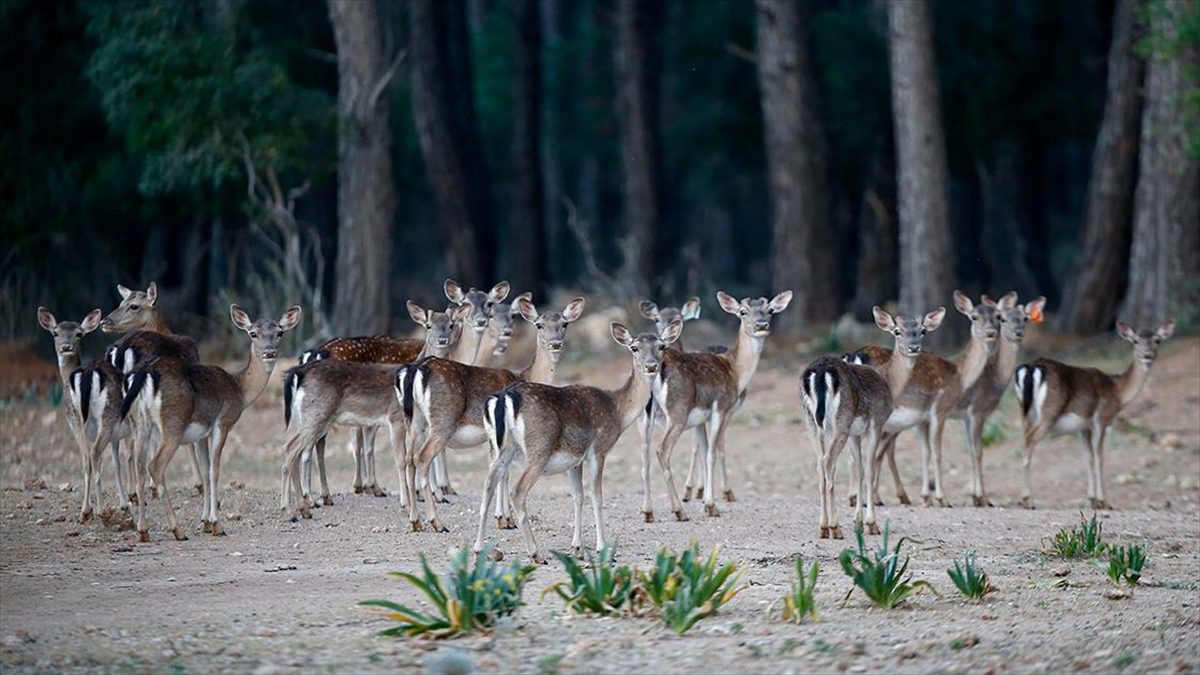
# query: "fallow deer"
{"points": [[445, 399], [1058, 399], [706, 388], [195, 403], [844, 402], [560, 429]]}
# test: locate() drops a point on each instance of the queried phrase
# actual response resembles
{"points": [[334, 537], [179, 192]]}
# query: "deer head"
{"points": [[68, 334], [663, 316], [985, 320], [501, 324], [265, 334], [481, 303], [909, 332], [136, 311], [647, 348], [755, 313], [551, 326], [1146, 342]]}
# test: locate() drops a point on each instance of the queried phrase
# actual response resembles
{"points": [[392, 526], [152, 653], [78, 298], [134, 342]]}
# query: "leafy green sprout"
{"points": [[799, 603], [1084, 541], [1125, 563], [687, 588], [603, 588], [880, 574], [969, 579]]}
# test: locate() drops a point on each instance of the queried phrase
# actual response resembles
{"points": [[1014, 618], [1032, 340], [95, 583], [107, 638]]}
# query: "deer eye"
{"points": [[253, 334], [489, 303], [633, 349], [743, 312], [896, 332], [1003, 320], [540, 326], [428, 326], [135, 307], [923, 331]]}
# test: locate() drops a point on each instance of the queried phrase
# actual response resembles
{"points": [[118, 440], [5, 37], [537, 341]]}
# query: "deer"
{"points": [[844, 402], [196, 403], [89, 389], [560, 429], [445, 400], [1057, 398], [706, 388], [980, 400], [325, 392]]}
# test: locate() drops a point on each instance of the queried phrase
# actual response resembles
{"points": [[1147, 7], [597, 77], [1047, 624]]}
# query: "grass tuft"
{"points": [[880, 574], [686, 587], [1125, 564], [1084, 541], [969, 579], [799, 604], [603, 588]]}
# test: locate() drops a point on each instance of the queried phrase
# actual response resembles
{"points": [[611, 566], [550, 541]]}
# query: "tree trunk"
{"points": [[876, 266], [556, 107], [803, 243], [1165, 251], [638, 76], [441, 148], [926, 254], [1090, 304], [527, 234], [366, 194]]}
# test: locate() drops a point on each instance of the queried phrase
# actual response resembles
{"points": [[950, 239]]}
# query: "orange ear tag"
{"points": [[1036, 315]]}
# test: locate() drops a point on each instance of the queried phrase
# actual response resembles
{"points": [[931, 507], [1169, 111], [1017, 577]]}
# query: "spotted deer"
{"points": [[196, 403], [844, 402], [560, 429], [445, 400], [91, 422], [1059, 399], [705, 388], [327, 392]]}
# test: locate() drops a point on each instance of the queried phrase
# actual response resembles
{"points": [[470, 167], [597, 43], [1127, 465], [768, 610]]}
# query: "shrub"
{"points": [[602, 589], [1084, 541], [969, 579], [881, 574], [472, 598], [799, 603], [1125, 563], [686, 588]]}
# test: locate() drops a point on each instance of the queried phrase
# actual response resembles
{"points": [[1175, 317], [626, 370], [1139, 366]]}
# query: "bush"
{"points": [[686, 588], [799, 603], [1125, 563], [1085, 541], [969, 579], [881, 574], [472, 598], [602, 589]]}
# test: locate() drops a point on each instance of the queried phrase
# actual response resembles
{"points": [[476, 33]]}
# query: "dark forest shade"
{"points": [[527, 233]]}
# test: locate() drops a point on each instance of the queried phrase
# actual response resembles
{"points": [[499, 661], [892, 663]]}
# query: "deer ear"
{"points": [[1166, 330], [461, 312], [962, 303], [934, 319], [152, 293], [672, 331], [499, 292], [985, 299], [648, 310], [780, 302], [729, 303], [514, 310], [621, 334], [573, 310], [290, 318], [1126, 331], [125, 292], [417, 313], [46, 319], [92, 321], [527, 310], [454, 292], [240, 318], [690, 309], [1034, 307], [1010, 300], [883, 320]]}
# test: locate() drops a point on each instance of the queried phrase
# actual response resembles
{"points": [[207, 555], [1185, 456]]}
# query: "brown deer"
{"points": [[322, 393], [195, 403], [560, 429], [705, 388], [445, 399], [844, 402], [1060, 399]]}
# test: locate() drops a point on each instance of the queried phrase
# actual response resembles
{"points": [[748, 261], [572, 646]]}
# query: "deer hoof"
{"points": [[416, 525], [327, 500], [447, 490], [179, 535], [903, 497], [378, 491], [496, 554], [1101, 505], [153, 492], [872, 528], [510, 523], [217, 531], [681, 516], [835, 532], [499, 522], [944, 504], [305, 513], [1027, 502], [927, 500], [699, 493], [437, 526], [538, 559], [710, 510], [358, 489], [206, 527], [133, 499], [687, 494], [853, 499], [144, 536], [878, 502], [729, 496], [649, 516], [577, 551], [199, 489], [824, 532], [85, 516]]}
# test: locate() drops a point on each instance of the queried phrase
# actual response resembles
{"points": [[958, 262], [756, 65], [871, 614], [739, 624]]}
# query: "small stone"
{"points": [[370, 561], [237, 554], [1116, 594], [49, 418], [1170, 440], [1060, 571], [66, 487], [40, 521]]}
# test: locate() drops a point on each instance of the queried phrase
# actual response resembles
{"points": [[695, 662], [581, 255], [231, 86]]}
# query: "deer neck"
{"points": [[541, 370], [467, 350], [253, 379], [157, 325], [745, 355], [1130, 383], [972, 362], [1006, 355], [67, 364], [899, 370], [632, 397], [487, 345]]}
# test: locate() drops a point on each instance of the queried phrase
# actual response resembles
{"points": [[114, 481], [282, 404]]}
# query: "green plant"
{"points": [[1084, 541], [686, 587], [473, 596], [1125, 563], [548, 664], [798, 603], [969, 579], [603, 588], [881, 574], [994, 431]]}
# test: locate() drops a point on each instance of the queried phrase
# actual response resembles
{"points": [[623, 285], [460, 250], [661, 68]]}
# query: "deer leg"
{"points": [[326, 498], [901, 493], [496, 469], [533, 470], [357, 444], [198, 472], [119, 476], [727, 491], [434, 444], [870, 441], [140, 474], [975, 436], [158, 472], [830, 471], [1033, 435], [375, 489], [220, 436], [699, 450], [973, 485], [664, 462], [1098, 462], [1089, 463], [575, 476], [201, 456], [443, 476], [936, 431], [716, 436], [306, 462], [856, 459], [647, 429], [85, 461], [596, 466]]}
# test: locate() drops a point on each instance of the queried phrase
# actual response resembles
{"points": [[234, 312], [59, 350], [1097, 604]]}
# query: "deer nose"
{"points": [[106, 321], [556, 345], [651, 368], [481, 323], [442, 342], [507, 332], [762, 325], [270, 353]]}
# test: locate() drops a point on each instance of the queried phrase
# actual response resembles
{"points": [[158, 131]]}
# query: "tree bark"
{"points": [[876, 265], [366, 194], [1090, 303], [556, 107], [638, 75], [441, 147], [1165, 252], [803, 244], [527, 234], [926, 254]]}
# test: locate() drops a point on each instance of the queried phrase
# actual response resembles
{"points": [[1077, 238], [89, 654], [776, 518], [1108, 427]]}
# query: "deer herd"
{"points": [[436, 394]]}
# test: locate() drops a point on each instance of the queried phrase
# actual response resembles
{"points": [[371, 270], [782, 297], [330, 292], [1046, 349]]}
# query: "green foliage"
{"points": [[799, 604], [472, 597], [1173, 31], [993, 431], [686, 587], [603, 588], [1125, 564], [969, 579], [880, 575], [1084, 541]]}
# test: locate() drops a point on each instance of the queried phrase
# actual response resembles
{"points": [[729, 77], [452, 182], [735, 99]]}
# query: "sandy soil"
{"points": [[276, 596]]}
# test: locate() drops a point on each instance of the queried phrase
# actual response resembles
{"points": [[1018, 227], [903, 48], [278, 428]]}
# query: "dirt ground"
{"points": [[276, 596]]}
